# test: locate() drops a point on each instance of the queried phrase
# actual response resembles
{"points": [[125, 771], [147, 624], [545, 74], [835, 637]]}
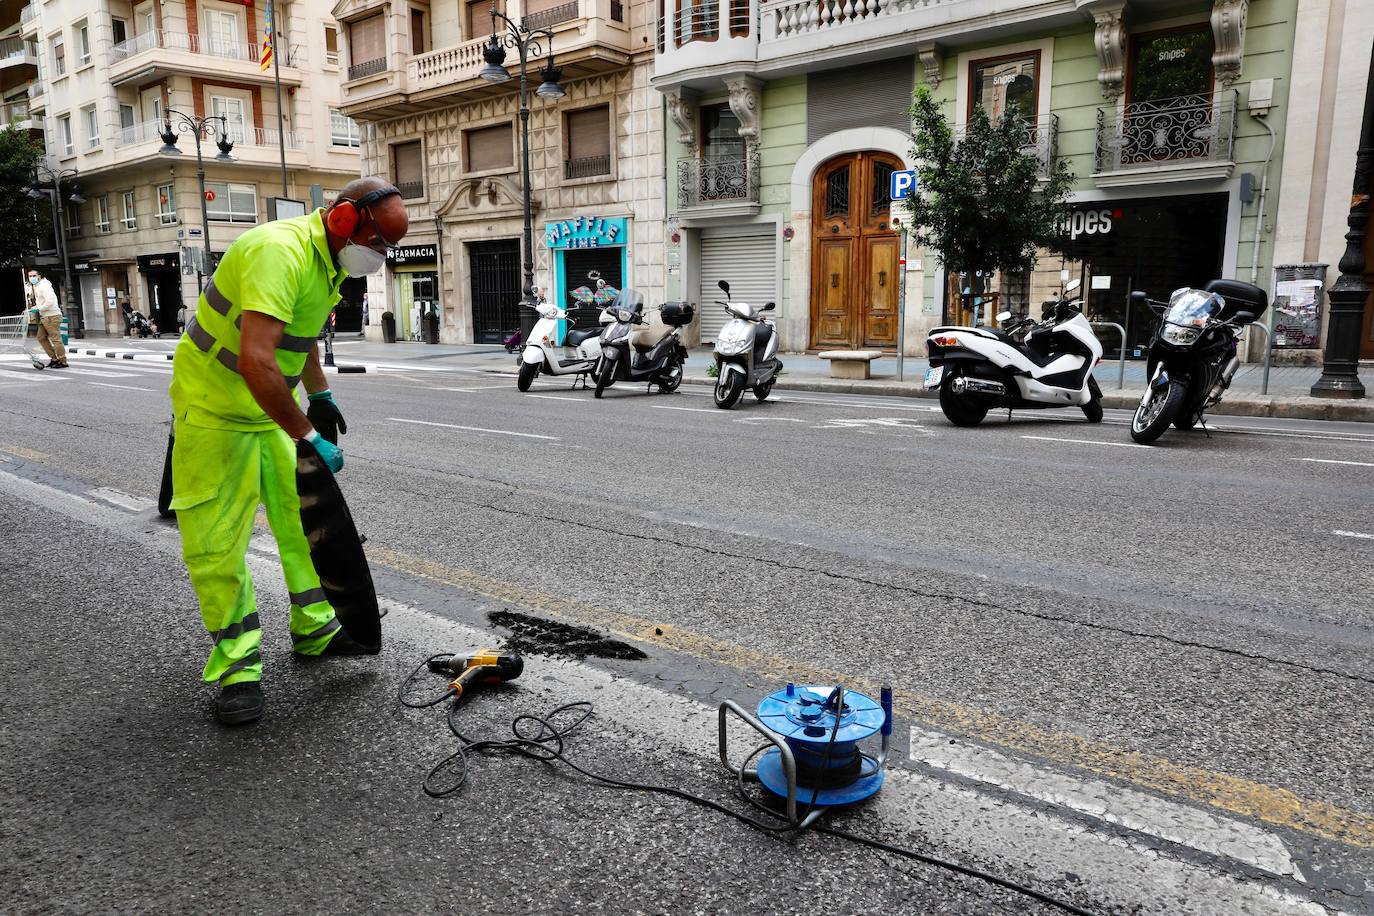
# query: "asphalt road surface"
{"points": [[1136, 679]]}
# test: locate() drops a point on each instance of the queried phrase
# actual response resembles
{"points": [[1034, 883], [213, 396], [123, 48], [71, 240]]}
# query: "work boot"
{"points": [[239, 704]]}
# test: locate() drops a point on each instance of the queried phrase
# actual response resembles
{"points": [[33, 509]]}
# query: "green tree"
{"points": [[982, 204], [21, 222]]}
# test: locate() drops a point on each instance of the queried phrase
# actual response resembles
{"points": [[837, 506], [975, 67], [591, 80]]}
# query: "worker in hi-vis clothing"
{"points": [[237, 419]]}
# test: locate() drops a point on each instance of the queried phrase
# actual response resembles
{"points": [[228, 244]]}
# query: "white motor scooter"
{"points": [[1027, 364], [579, 350], [746, 352]]}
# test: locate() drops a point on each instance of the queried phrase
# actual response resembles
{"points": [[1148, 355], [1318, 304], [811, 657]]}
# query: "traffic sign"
{"points": [[903, 185], [209, 195]]}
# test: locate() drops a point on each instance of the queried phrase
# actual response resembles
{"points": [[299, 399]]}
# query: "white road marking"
{"points": [[1354, 534], [559, 397], [37, 375], [1176, 823], [1359, 464], [125, 387], [474, 429], [123, 500], [437, 388], [1250, 431], [693, 409], [83, 371], [793, 399], [864, 424], [1086, 441]]}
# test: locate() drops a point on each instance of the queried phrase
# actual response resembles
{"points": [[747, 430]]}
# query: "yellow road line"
{"points": [[25, 453], [1232, 794]]}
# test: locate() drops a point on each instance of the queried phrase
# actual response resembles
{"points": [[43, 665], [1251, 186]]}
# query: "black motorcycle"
{"points": [[1193, 354], [655, 357]]}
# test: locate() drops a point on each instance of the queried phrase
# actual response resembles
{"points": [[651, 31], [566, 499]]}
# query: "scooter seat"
{"points": [[645, 339], [576, 336]]}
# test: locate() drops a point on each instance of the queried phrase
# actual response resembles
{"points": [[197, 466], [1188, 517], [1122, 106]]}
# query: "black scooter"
{"points": [[1193, 354], [655, 361]]}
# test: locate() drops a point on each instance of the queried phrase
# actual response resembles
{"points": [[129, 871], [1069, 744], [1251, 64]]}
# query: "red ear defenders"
{"points": [[344, 218]]}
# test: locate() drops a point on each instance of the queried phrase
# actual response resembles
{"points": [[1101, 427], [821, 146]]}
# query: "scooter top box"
{"points": [[677, 314]]}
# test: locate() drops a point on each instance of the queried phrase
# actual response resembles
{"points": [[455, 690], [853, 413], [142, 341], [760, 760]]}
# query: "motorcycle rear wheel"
{"points": [[669, 382], [728, 389], [528, 372], [957, 410], [605, 369], [1156, 411], [761, 392]]}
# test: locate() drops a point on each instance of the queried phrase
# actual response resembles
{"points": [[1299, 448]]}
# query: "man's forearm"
{"points": [[268, 388], [313, 373]]}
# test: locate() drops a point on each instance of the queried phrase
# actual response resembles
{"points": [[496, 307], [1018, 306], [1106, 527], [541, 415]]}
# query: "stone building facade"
{"points": [[596, 166]]}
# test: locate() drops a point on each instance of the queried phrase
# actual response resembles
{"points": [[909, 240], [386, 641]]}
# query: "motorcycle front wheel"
{"points": [[528, 372], [1093, 409], [604, 372], [1156, 411], [728, 389]]}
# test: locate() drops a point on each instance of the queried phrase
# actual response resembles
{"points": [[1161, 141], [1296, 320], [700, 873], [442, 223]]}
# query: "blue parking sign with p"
{"points": [[903, 185]]}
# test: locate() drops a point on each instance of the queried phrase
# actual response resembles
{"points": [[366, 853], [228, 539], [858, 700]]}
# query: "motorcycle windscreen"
{"points": [[336, 550]]}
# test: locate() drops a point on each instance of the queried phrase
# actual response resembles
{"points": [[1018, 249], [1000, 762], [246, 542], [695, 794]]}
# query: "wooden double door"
{"points": [[854, 269]]}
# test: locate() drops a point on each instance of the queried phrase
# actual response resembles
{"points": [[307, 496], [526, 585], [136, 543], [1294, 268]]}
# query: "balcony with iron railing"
{"points": [[252, 145], [159, 52], [590, 36], [1186, 138], [718, 186]]}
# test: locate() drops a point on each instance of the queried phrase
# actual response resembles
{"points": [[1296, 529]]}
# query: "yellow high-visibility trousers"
{"points": [[219, 477]]}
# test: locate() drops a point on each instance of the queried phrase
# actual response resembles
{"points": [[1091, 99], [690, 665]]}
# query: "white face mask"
{"points": [[359, 261]]}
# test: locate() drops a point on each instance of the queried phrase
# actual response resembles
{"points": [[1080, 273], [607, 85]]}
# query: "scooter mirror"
{"points": [[1003, 317], [770, 306], [1139, 300], [725, 287], [1072, 285]]}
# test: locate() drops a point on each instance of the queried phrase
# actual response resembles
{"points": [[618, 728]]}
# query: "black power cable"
{"points": [[546, 746]]}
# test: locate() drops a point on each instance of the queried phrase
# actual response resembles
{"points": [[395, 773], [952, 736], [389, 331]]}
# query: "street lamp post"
{"points": [[76, 322], [527, 42], [197, 126]]}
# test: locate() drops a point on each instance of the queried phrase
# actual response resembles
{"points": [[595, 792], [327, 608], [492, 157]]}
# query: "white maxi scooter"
{"points": [[546, 353], [1027, 364]]}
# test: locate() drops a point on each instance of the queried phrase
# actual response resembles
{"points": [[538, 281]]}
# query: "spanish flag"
{"points": [[265, 58]]}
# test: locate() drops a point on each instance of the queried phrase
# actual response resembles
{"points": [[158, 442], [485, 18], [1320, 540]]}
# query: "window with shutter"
{"points": [[331, 45], [366, 47], [489, 148], [479, 17], [418, 45], [589, 142], [407, 164]]}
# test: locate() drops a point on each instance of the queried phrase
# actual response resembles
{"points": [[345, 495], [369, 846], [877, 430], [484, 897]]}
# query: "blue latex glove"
{"points": [[324, 414], [329, 453]]}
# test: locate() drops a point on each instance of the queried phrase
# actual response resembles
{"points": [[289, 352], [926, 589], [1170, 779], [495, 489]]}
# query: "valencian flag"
{"points": [[265, 58]]}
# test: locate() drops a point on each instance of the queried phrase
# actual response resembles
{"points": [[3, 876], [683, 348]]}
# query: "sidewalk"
{"points": [[1288, 396]]}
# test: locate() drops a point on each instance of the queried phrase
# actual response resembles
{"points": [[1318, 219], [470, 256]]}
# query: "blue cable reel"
{"points": [[812, 758]]}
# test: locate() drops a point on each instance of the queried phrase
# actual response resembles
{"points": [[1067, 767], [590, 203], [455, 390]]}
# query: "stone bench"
{"points": [[850, 363]]}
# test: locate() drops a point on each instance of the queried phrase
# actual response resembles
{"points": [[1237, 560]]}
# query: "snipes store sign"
{"points": [[586, 232]]}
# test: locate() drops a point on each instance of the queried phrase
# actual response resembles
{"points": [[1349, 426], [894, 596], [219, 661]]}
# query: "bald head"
{"points": [[383, 222]]}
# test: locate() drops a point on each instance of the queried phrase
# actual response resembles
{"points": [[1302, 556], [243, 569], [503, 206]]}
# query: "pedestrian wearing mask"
{"points": [[251, 341], [48, 313]]}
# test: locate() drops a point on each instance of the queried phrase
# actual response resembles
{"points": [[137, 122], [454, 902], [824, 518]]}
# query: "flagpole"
{"points": [[276, 76]]}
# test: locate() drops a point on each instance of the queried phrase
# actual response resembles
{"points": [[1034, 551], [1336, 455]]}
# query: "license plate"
{"points": [[933, 376]]}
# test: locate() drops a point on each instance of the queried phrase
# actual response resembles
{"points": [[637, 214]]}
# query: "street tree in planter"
{"points": [[982, 204], [21, 220]]}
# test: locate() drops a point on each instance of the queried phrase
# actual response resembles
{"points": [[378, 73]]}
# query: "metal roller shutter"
{"points": [[745, 258]]}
